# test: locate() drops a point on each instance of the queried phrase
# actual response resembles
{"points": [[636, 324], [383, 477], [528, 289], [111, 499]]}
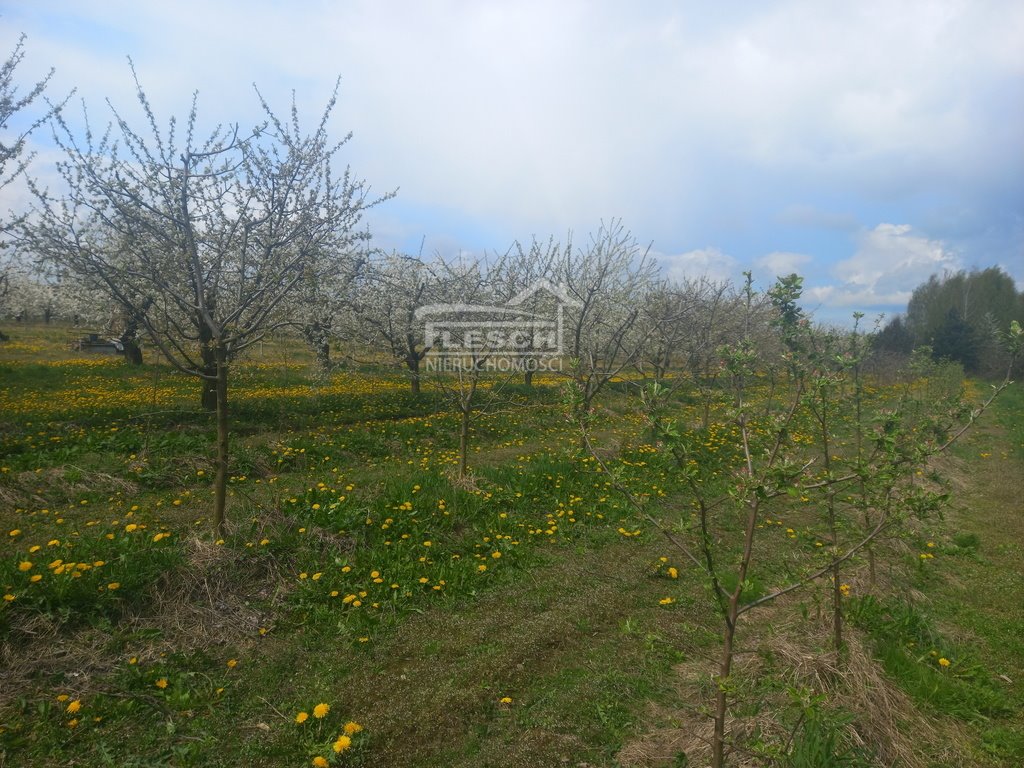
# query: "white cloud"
{"points": [[539, 117], [704, 262], [890, 261], [782, 263]]}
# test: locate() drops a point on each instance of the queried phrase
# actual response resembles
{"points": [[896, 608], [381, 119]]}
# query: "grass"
{"points": [[515, 618]]}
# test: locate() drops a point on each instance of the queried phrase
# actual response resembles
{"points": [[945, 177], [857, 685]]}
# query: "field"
{"points": [[368, 607]]}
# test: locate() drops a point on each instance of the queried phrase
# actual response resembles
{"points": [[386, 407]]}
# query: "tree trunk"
{"points": [[4, 336], [528, 376], [132, 351], [317, 336], [464, 443], [130, 337], [208, 394], [323, 356], [837, 607], [721, 697], [412, 362], [220, 485]]}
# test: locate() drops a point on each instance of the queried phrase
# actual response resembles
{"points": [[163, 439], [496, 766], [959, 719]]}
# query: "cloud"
{"points": [[686, 120], [705, 262], [890, 261], [782, 263]]}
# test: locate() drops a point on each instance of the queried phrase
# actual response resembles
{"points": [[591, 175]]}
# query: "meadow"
{"points": [[368, 607]]}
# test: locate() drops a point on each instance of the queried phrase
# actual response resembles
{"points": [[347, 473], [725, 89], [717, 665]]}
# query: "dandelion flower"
{"points": [[8, 598], [673, 573], [320, 711], [944, 662], [161, 683], [232, 663], [320, 762], [302, 717], [73, 707], [114, 585], [343, 743], [352, 728], [666, 601], [505, 700], [24, 565]]}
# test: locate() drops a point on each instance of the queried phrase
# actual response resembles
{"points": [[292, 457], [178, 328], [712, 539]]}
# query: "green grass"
{"points": [[533, 586]]}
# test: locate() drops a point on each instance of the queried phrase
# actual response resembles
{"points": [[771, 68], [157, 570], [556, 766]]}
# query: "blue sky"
{"points": [[865, 145]]}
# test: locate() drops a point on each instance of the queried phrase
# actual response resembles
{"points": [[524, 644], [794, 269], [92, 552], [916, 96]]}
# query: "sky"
{"points": [[864, 145]]}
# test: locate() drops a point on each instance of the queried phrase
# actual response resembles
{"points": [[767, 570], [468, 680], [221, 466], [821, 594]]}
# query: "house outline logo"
{"points": [[512, 330]]}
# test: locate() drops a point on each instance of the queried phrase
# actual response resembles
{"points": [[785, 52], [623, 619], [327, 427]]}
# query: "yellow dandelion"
{"points": [[320, 711], [232, 663], [352, 728], [505, 700], [302, 717], [114, 585], [161, 683], [24, 565], [343, 742], [944, 662], [73, 707], [320, 762], [666, 601]]}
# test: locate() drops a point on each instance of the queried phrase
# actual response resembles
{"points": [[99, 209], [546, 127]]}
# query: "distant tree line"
{"points": [[959, 317]]}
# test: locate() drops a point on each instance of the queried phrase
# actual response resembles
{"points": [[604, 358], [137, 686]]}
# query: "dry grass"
{"points": [[884, 720], [201, 606]]}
